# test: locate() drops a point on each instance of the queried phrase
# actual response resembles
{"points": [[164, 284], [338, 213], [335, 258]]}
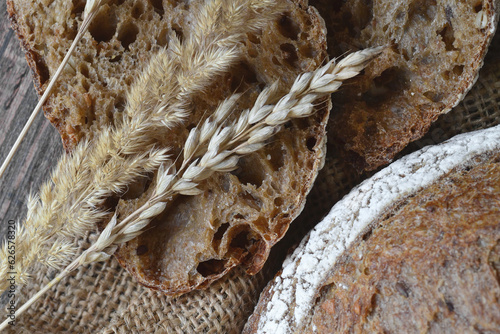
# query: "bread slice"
{"points": [[436, 50], [415, 248], [240, 215]]}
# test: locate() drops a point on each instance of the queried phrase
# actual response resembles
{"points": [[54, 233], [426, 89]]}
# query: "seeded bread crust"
{"points": [[414, 249], [240, 215], [436, 50]]}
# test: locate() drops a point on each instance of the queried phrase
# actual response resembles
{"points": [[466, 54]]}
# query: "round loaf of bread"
{"points": [[415, 248]]}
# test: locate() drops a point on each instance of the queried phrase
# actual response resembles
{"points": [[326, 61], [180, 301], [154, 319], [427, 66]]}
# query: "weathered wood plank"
{"points": [[41, 148]]}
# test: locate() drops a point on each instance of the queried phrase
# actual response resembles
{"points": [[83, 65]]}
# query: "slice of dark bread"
{"points": [[436, 50], [413, 249], [240, 215]]}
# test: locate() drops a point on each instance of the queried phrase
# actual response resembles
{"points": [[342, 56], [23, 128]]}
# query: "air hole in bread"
{"points": [[240, 237], [433, 96], [178, 31], [78, 7], [158, 6], [367, 235], [84, 69], [289, 53], [387, 85], [311, 143], [219, 234], [220, 231], [137, 10], [276, 156], [128, 34], [253, 38], [449, 306], [458, 70], [278, 201], [162, 39], [103, 27], [41, 66], [115, 59], [251, 171], [366, 271], [119, 103], [287, 27], [402, 289], [244, 77], [307, 51], [141, 250], [448, 36], [252, 201], [211, 267], [478, 7]]}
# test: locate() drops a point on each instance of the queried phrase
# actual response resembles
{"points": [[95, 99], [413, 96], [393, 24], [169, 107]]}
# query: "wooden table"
{"points": [[41, 148]]}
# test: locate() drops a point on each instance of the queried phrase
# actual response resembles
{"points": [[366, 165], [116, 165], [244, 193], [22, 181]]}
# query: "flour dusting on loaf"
{"points": [[285, 305]]}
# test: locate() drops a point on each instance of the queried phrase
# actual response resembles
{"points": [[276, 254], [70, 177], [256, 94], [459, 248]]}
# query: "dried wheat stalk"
{"points": [[69, 204], [215, 146], [90, 11]]}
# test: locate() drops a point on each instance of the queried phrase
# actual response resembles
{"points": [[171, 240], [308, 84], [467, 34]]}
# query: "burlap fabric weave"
{"points": [[104, 298]]}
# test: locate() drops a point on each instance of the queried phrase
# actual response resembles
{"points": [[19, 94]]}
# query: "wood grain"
{"points": [[41, 148]]}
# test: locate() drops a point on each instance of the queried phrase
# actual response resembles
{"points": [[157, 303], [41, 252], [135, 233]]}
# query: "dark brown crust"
{"points": [[369, 126], [431, 265]]}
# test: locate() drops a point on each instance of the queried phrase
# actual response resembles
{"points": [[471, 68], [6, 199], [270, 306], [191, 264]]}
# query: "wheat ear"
{"points": [[91, 9], [68, 206], [216, 147], [211, 47]]}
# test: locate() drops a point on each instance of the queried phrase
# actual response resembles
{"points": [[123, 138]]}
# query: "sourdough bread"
{"points": [[240, 215], [413, 249], [437, 49]]}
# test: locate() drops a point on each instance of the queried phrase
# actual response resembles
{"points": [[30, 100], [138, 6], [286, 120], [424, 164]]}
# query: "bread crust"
{"points": [[434, 219], [431, 265], [436, 50]]}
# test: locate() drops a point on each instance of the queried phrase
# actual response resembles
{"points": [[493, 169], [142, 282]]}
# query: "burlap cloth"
{"points": [[104, 298]]}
